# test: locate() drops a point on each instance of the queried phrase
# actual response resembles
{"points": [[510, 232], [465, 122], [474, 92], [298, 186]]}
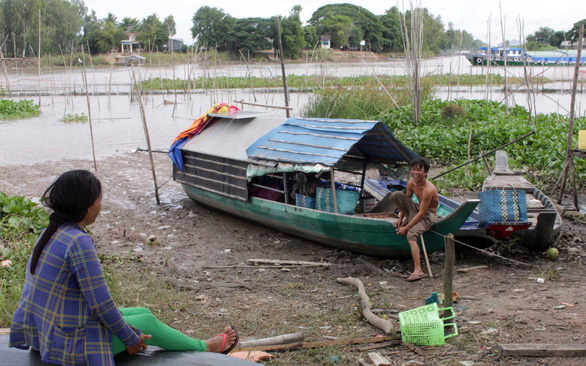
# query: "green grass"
{"points": [[318, 82], [10, 109]]}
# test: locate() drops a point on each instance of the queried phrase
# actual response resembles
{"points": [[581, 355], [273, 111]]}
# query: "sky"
{"points": [[470, 15]]}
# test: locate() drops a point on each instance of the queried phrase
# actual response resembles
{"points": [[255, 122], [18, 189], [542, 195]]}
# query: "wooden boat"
{"points": [[497, 56], [541, 212], [228, 161]]}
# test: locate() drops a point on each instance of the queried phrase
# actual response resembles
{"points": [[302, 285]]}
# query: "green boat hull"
{"points": [[374, 237]]}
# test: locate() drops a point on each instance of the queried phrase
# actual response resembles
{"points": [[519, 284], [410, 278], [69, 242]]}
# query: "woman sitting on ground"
{"points": [[66, 311]]}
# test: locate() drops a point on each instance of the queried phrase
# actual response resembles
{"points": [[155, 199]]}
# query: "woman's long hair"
{"points": [[69, 197]]}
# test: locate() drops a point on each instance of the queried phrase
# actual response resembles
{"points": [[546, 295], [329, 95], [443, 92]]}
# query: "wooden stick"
{"points": [[450, 257], [428, 265], [39, 55], [285, 88], [146, 135], [569, 155], [333, 189], [306, 345], [483, 155], [272, 341], [377, 346], [89, 110], [383, 324], [262, 105], [286, 262], [469, 269], [544, 350]]}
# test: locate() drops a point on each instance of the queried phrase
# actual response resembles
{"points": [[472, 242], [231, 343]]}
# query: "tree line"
{"points": [[349, 26], [547, 38], [64, 25]]}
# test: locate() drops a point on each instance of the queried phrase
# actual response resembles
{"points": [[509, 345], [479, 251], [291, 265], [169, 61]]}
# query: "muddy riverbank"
{"points": [[200, 249]]}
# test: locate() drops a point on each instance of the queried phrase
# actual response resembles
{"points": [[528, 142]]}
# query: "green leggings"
{"points": [[163, 335]]}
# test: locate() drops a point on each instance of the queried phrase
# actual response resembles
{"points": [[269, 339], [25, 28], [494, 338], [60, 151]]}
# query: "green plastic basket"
{"points": [[423, 326]]}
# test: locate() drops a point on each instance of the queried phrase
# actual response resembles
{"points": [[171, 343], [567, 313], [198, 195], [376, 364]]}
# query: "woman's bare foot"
{"points": [[215, 344]]}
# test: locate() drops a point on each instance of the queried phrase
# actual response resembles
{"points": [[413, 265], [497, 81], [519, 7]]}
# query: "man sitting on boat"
{"points": [[414, 221]]}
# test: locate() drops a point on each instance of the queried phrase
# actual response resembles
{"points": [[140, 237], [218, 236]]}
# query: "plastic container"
{"points": [[423, 326], [305, 201], [366, 204], [582, 140]]}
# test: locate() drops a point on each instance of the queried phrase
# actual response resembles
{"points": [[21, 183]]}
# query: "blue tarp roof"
{"points": [[325, 141]]}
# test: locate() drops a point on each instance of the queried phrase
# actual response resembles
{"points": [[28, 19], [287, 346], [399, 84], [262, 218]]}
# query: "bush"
{"points": [[445, 140], [21, 222]]}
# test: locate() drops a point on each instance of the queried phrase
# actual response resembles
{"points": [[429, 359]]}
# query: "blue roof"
{"points": [[325, 141]]}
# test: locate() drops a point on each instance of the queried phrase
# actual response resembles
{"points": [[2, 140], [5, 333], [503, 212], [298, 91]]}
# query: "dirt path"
{"points": [[502, 303]]}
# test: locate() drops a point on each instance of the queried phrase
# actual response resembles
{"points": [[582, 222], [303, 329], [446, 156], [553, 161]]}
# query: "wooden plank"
{"points": [[544, 350], [345, 342], [286, 262], [470, 269], [378, 360], [4, 331]]}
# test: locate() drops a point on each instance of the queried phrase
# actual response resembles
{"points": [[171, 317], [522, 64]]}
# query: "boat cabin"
{"points": [[296, 161]]}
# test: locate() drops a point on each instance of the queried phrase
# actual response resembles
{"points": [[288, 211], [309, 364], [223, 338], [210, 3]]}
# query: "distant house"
{"points": [[129, 43], [574, 45], [326, 42], [174, 44]]}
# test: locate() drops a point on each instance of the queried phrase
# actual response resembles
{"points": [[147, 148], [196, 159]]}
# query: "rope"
{"points": [[484, 251]]}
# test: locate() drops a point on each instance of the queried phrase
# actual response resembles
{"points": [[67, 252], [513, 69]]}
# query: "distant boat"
{"points": [[227, 167], [518, 57]]}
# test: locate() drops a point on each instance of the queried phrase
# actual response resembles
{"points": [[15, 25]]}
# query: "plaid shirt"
{"points": [[66, 311]]}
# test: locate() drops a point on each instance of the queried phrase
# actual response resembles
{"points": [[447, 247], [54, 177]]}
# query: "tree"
{"points": [[574, 33], [129, 24], [338, 27], [370, 25], [169, 24], [60, 25], [292, 35], [152, 32], [111, 18], [391, 22], [311, 37], [106, 37], [251, 34], [211, 27]]}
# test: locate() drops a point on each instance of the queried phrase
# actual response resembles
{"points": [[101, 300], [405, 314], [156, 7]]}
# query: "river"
{"points": [[117, 124]]}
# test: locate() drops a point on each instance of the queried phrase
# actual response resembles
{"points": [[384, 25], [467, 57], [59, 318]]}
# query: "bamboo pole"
{"points": [[483, 155], [39, 56], [146, 135], [89, 110], [285, 88], [427, 263], [569, 155], [505, 61]]}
